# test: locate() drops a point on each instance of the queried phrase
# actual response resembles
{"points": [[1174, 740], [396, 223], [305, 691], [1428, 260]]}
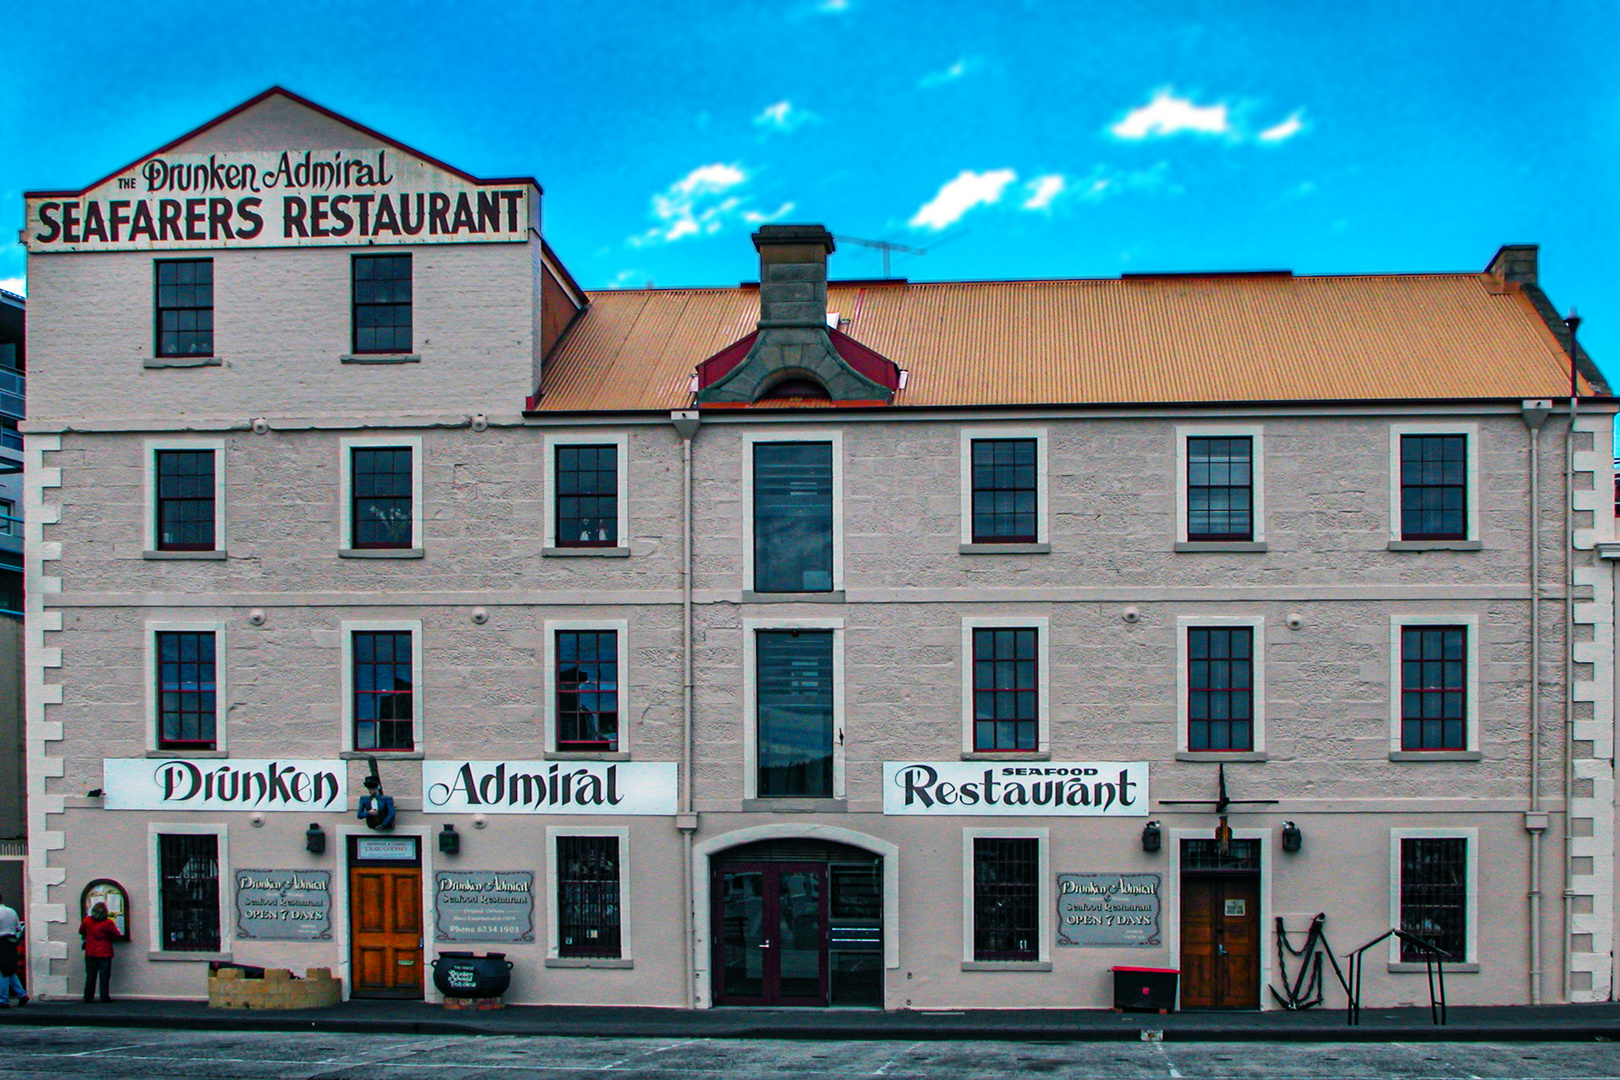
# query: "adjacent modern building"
{"points": [[13, 395], [805, 642]]}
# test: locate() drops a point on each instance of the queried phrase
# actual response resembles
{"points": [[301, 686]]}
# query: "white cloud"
{"points": [[960, 195], [754, 217], [783, 117], [1283, 131], [1168, 115], [950, 74], [698, 204], [832, 7], [1105, 182], [626, 279], [15, 285], [1042, 190]]}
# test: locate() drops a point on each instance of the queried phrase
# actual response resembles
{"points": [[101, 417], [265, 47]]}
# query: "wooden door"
{"points": [[770, 934], [385, 925], [1220, 941]]}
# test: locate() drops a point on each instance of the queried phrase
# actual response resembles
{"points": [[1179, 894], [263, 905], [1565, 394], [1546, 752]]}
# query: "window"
{"points": [[188, 892], [382, 303], [1220, 688], [185, 307], [587, 495], [1006, 688], [1434, 487], [1434, 892], [10, 436], [588, 903], [185, 500], [587, 689], [1006, 898], [187, 692], [10, 523], [1220, 492], [380, 483], [1434, 691], [794, 713], [793, 518], [383, 684], [1004, 491]]}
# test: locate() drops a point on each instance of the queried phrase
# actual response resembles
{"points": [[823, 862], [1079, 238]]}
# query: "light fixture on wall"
{"points": [[315, 839], [1152, 837], [1292, 838], [449, 840]]}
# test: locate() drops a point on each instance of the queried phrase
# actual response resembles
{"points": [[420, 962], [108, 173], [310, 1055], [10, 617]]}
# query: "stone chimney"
{"points": [[793, 347], [1515, 264]]}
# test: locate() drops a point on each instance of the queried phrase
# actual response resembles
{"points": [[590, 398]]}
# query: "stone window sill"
{"points": [[380, 553], [1011, 755], [1004, 549], [188, 753], [587, 755], [1408, 967], [836, 596], [1211, 756], [1436, 755], [795, 806], [181, 361], [616, 963], [1236, 547], [585, 552], [1436, 545], [1006, 965], [215, 556], [188, 957], [380, 358], [383, 755]]}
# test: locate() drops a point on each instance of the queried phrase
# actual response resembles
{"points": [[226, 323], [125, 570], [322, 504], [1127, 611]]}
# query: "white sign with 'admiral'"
{"points": [[1046, 789], [549, 787], [233, 784]]}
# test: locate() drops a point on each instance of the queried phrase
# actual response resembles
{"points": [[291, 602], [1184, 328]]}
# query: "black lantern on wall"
{"points": [[1292, 838], [1152, 837], [450, 840], [315, 839]]}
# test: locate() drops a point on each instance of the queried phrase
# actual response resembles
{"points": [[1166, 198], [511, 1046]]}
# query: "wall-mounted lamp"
{"points": [[1292, 838], [1152, 837], [449, 841], [315, 839], [94, 793]]}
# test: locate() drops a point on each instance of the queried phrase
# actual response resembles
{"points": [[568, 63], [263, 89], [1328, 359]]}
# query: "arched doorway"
{"points": [[798, 922]]}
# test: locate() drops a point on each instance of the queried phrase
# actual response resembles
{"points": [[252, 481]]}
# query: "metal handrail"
{"points": [[1434, 961]]}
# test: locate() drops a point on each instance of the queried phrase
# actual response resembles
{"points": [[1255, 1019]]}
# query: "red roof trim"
{"points": [[723, 362], [869, 362], [308, 104]]}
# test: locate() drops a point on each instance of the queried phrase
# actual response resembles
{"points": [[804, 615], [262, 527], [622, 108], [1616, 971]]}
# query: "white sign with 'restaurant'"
{"points": [[233, 784], [1045, 789], [549, 787]]}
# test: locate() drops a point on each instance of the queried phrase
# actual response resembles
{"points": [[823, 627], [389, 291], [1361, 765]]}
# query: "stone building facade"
{"points": [[900, 648]]}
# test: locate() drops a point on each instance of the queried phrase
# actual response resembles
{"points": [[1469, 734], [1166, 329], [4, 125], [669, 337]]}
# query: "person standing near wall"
{"points": [[11, 929], [99, 933]]}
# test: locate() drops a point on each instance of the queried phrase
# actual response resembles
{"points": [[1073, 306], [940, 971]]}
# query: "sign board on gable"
{"points": [[296, 197]]}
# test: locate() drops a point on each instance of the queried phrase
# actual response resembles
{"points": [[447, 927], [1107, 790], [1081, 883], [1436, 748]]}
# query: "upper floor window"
{"points": [[1434, 688], [793, 517], [587, 689], [382, 303], [383, 681], [587, 495], [187, 690], [1220, 688], [1005, 491], [380, 492], [185, 307], [185, 500], [794, 681], [10, 523], [1220, 488], [1006, 688], [1434, 487]]}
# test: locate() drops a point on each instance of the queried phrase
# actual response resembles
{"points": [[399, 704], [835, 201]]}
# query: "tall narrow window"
{"points": [[793, 517], [794, 688], [380, 496], [1006, 688], [1004, 491], [1006, 898], [1434, 487], [185, 500], [587, 690], [186, 690], [1220, 688], [185, 307], [1434, 895], [588, 909], [10, 523], [383, 713], [188, 888], [382, 303], [587, 496], [1434, 695], [1220, 488]]}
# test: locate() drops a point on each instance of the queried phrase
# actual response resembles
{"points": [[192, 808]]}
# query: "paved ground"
{"points": [[122, 1054]]}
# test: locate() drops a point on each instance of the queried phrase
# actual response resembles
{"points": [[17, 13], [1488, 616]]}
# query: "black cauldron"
{"points": [[463, 975]]}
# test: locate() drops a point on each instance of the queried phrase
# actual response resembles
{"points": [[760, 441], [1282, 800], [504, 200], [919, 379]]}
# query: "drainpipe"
{"points": [[686, 426], [1535, 415], [1573, 322]]}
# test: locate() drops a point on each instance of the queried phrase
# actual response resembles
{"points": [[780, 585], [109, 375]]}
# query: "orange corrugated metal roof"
{"points": [[1181, 339]]}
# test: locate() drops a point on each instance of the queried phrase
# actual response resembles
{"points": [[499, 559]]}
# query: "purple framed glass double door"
{"points": [[770, 933]]}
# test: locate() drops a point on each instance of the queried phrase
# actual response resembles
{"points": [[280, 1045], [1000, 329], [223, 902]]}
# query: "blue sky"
{"points": [[1006, 139]]}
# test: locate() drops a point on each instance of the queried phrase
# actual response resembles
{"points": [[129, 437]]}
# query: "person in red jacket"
{"points": [[99, 933]]}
